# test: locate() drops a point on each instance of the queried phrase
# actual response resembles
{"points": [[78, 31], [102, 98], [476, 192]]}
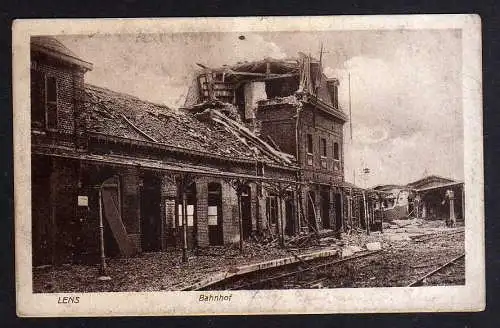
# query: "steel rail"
{"points": [[284, 275], [430, 236], [420, 280]]}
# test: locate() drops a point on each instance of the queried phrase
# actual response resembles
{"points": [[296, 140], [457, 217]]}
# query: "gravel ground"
{"points": [[154, 271], [399, 265], [401, 261]]}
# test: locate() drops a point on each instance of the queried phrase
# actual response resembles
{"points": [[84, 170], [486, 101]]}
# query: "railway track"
{"points": [[421, 281], [426, 237], [396, 265], [265, 279]]}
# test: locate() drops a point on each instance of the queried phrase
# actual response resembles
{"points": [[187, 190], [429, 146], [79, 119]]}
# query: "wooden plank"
{"points": [[112, 215]]}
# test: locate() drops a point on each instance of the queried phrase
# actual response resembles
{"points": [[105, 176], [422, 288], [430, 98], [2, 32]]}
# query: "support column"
{"points": [[349, 209], [463, 203], [296, 205], [102, 269], [240, 220], [342, 224], [53, 209], [451, 197], [365, 214], [184, 224], [280, 220]]}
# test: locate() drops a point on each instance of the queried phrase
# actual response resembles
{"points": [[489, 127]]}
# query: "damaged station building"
{"points": [[255, 152], [431, 198]]}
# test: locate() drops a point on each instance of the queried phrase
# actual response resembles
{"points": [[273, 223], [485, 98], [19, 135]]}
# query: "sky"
{"points": [[405, 86]]}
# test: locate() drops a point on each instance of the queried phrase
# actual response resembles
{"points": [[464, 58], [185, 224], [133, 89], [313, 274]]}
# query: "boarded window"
{"points": [[336, 151], [309, 144], [37, 95], [51, 102]]}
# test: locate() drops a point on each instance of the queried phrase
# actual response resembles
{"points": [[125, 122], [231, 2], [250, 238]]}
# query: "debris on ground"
{"points": [[166, 271], [375, 246]]}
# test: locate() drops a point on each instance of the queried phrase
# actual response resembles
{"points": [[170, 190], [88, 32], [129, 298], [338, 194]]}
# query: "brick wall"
{"points": [[230, 214], [131, 212], [202, 211], [279, 123], [70, 83], [321, 126]]}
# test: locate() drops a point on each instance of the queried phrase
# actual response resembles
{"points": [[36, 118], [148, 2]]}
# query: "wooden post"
{"points": [[53, 209], [463, 203], [453, 219], [297, 212], [184, 224], [280, 220], [349, 209], [365, 210], [342, 211], [101, 236], [240, 220]]}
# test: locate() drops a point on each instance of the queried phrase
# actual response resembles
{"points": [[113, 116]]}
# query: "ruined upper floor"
{"points": [[267, 82]]}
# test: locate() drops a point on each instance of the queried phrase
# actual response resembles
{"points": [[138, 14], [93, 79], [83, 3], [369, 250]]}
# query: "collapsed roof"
{"points": [[282, 78], [121, 115]]}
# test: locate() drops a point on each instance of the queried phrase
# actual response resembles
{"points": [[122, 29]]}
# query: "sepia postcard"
{"points": [[249, 165]]}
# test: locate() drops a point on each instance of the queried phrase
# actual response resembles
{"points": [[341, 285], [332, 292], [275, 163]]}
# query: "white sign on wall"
{"points": [[83, 201]]}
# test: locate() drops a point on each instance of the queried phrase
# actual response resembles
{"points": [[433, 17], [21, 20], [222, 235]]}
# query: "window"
{"points": [[51, 102], [336, 151], [309, 144], [333, 88], [212, 215], [37, 102], [190, 215], [322, 146]]}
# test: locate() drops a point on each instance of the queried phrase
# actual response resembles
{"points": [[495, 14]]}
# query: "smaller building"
{"points": [[431, 198]]}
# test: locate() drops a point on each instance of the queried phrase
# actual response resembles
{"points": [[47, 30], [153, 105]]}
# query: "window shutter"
{"points": [[51, 102], [37, 98]]}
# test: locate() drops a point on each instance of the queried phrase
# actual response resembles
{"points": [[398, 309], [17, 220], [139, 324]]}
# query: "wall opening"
{"points": [[311, 210], [150, 214], [111, 198], [41, 210], [215, 228], [246, 216], [290, 227], [338, 211], [325, 208], [190, 217]]}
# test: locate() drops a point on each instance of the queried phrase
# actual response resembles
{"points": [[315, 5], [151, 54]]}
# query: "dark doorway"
{"points": [[111, 189], [325, 209], [362, 213], [338, 212], [215, 232], [246, 216], [151, 214], [289, 214], [42, 241]]}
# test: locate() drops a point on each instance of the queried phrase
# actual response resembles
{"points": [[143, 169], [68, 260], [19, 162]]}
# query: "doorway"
{"points": [[311, 210], [151, 214], [338, 212], [215, 231], [246, 216], [325, 209], [289, 214], [112, 209]]}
